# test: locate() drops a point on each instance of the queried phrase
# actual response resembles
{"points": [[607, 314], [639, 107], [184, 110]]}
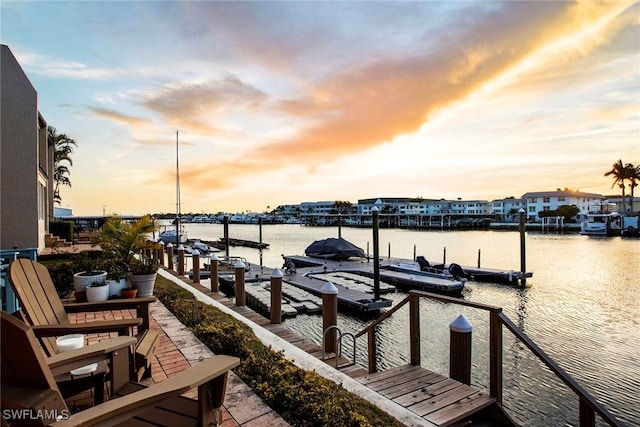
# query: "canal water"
{"points": [[581, 307]]}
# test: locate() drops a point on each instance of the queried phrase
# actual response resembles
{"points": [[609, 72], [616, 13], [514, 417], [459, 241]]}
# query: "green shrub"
{"points": [[61, 273]]}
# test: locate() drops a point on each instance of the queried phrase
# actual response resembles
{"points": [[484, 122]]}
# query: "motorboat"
{"points": [[603, 219]]}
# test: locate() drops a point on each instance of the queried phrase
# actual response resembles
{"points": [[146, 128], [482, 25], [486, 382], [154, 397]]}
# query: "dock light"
{"points": [[213, 257], [276, 274], [239, 264], [169, 245], [329, 289]]}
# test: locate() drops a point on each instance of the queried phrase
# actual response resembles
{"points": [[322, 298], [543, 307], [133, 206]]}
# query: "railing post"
{"points": [[213, 267], [330, 316], [181, 260], [587, 416], [460, 331], [241, 299], [170, 256], [373, 367], [276, 296], [196, 266], [495, 355], [414, 329]]}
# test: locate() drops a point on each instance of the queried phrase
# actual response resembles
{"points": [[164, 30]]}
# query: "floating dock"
{"points": [[403, 279]]}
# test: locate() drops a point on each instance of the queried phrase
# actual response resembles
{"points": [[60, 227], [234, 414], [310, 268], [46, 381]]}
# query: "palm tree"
{"points": [[63, 149], [620, 175], [633, 175]]}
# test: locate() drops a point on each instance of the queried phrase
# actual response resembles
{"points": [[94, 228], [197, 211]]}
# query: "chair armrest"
{"points": [[122, 326], [116, 410], [140, 304], [112, 304], [73, 359]]}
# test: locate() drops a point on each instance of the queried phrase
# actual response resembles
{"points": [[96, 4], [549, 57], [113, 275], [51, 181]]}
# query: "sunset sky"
{"points": [[285, 102]]}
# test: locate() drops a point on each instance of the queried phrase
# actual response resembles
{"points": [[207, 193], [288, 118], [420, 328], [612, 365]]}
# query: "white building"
{"points": [[552, 200]]}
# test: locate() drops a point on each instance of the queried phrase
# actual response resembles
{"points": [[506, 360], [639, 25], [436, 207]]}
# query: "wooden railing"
{"points": [[588, 406]]}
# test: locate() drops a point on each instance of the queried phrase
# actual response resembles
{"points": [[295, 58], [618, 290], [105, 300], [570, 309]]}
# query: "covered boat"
{"points": [[335, 249]]}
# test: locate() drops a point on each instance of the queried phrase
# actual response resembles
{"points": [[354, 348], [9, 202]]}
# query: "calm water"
{"points": [[581, 307]]}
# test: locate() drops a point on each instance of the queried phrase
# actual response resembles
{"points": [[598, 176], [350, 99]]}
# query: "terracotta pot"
{"points": [[81, 296], [129, 293]]}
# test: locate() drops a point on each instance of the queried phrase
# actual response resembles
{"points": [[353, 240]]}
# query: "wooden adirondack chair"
{"points": [[47, 315], [29, 390]]}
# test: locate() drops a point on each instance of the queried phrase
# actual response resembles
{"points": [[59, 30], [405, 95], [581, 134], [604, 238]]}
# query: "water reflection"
{"points": [[580, 307]]}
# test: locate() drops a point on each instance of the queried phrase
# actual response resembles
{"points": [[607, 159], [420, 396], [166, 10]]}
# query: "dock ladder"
{"points": [[339, 352]]}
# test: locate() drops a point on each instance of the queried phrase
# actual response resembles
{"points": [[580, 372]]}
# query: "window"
{"points": [[532, 208], [41, 201], [546, 200]]}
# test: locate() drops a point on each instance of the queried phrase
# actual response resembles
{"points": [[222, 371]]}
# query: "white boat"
{"points": [[603, 219], [169, 236]]}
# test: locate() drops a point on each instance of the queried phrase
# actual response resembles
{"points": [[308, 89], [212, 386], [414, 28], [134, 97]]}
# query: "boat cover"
{"points": [[332, 248]]}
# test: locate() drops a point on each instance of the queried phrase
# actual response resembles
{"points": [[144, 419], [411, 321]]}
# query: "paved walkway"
{"points": [[178, 350]]}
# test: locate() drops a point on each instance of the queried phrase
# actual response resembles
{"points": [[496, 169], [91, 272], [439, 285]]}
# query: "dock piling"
{"points": [[161, 252], [479, 258], [241, 298], [330, 316], [170, 256], [523, 262], [196, 266], [213, 268], [376, 253], [460, 350], [276, 296], [181, 260]]}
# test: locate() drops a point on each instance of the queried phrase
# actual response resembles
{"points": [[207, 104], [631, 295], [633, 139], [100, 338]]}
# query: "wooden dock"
{"points": [[439, 400], [434, 397]]}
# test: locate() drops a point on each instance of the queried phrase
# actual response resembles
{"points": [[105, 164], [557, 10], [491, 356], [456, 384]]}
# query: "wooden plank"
{"points": [[403, 378], [430, 392], [388, 373], [416, 384], [461, 409], [441, 400]]}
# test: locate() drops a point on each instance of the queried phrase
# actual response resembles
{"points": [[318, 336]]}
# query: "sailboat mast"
{"points": [[178, 218]]}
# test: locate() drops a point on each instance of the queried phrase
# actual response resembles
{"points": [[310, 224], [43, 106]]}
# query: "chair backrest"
{"points": [[38, 297], [24, 370]]}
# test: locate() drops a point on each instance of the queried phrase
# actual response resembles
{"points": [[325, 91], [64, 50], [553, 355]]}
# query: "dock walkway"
{"points": [[414, 395]]}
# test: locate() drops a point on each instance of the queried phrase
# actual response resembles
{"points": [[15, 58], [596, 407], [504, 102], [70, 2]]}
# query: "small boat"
{"points": [[203, 247], [169, 236], [603, 219]]}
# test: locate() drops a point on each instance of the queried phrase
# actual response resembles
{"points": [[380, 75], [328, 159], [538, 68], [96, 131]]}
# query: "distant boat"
{"points": [[169, 236], [603, 219]]}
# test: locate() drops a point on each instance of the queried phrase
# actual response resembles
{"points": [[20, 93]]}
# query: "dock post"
{"points": [[276, 296], [460, 350], [329, 316], [170, 255], [260, 240], [444, 255], [181, 260], [376, 253], [226, 235], [479, 257], [161, 252], [389, 250], [213, 268], [523, 261], [196, 266], [414, 251], [339, 226], [241, 299]]}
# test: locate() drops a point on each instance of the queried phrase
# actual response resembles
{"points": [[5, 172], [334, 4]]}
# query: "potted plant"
{"points": [[143, 274], [116, 276], [88, 272], [128, 242], [98, 291]]}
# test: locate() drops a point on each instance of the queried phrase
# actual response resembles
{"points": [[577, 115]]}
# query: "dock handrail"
{"points": [[588, 405], [340, 336]]}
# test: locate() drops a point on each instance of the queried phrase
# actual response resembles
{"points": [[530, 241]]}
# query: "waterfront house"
{"points": [[551, 200]]}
